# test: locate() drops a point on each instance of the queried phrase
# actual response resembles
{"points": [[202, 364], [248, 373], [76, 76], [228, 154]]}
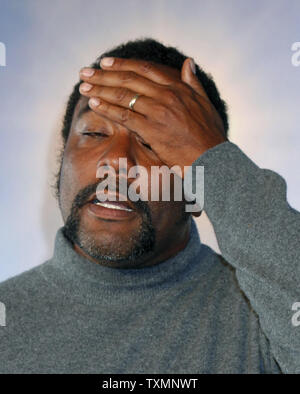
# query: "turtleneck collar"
{"points": [[89, 282]]}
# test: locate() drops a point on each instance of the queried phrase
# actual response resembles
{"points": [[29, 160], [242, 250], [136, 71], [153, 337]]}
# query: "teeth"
{"points": [[112, 206]]}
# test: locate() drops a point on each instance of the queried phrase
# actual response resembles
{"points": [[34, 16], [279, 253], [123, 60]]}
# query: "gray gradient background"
{"points": [[245, 45]]}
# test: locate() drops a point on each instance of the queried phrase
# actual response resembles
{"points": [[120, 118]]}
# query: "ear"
{"points": [[188, 75]]}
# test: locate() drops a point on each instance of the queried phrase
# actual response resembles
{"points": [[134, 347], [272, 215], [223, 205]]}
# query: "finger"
{"points": [[124, 116], [119, 96], [156, 72], [126, 79], [188, 75]]}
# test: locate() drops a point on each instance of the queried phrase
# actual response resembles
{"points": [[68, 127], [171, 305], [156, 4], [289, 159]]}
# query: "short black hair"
{"points": [[150, 50]]}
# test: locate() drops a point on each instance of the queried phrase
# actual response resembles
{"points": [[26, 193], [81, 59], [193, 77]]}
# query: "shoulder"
{"points": [[24, 282], [21, 293], [219, 276]]}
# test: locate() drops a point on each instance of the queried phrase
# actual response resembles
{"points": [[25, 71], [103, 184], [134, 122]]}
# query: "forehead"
{"points": [[83, 116], [81, 108]]}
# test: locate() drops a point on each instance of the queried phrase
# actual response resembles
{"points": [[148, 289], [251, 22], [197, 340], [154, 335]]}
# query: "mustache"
{"points": [[84, 195]]}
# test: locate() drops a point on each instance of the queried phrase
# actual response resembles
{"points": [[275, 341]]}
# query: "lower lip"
{"points": [[107, 213]]}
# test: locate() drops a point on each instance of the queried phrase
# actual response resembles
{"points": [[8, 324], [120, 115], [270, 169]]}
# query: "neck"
{"points": [[88, 283]]}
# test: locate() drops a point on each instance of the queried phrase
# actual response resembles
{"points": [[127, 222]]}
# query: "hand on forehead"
{"points": [[154, 71], [121, 70]]}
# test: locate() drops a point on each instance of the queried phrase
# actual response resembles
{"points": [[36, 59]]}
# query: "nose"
{"points": [[119, 151]]}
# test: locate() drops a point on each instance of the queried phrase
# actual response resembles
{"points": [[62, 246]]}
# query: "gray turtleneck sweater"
{"points": [[196, 312]]}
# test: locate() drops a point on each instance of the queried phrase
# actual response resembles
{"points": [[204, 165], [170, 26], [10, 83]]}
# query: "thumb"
{"points": [[188, 75]]}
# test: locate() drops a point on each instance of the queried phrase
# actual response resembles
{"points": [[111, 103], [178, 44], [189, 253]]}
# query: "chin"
{"points": [[116, 249], [114, 243]]}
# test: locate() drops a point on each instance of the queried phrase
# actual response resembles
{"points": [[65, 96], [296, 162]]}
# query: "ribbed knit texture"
{"points": [[193, 313]]}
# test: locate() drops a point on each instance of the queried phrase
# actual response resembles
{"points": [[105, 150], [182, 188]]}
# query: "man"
{"points": [[130, 288]]}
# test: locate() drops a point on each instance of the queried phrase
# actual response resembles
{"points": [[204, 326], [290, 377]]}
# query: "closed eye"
{"points": [[94, 134], [147, 145]]}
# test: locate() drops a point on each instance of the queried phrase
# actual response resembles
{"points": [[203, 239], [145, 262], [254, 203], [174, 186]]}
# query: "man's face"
{"points": [[145, 232]]}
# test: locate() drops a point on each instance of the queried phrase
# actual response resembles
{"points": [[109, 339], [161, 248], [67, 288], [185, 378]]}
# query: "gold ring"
{"points": [[132, 101]]}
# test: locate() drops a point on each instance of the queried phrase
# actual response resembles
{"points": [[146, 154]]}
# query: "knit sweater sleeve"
{"points": [[259, 234]]}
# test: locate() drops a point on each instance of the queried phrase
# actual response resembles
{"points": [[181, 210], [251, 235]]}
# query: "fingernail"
{"points": [[192, 64], [107, 61], [87, 72], [94, 102], [85, 87]]}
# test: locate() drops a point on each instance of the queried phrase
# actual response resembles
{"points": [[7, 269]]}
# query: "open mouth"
{"points": [[121, 206], [111, 210]]}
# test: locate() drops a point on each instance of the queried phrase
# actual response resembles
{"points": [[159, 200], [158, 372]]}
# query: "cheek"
{"points": [[67, 187], [77, 173], [72, 180], [165, 214], [168, 219]]}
